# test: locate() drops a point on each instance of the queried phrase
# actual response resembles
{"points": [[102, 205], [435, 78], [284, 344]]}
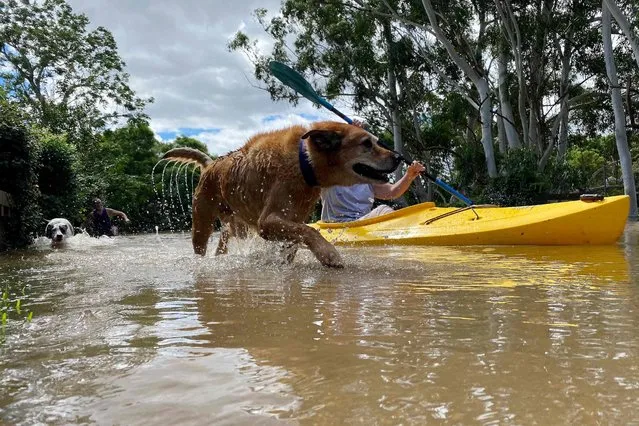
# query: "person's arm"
{"points": [[388, 191], [113, 212], [89, 220]]}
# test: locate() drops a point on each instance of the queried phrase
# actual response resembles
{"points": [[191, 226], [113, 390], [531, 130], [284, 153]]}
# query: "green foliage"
{"points": [[19, 153], [341, 50], [118, 170], [185, 141], [584, 163], [60, 72], [604, 145], [470, 170], [57, 177], [519, 182]]}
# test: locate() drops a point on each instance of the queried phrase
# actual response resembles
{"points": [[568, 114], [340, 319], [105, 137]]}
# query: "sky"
{"points": [[176, 52]]}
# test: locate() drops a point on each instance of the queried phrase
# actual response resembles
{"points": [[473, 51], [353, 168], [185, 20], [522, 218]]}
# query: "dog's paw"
{"points": [[331, 259]]}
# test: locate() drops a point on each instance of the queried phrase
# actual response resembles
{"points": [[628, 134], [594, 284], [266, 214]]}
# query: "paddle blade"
{"points": [[291, 78]]}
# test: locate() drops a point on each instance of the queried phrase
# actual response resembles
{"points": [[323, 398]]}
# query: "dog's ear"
{"points": [[326, 140], [49, 231]]}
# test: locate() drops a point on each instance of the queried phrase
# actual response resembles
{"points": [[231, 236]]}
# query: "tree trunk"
{"points": [[511, 28], [617, 106], [501, 133], [625, 27], [507, 118], [543, 161], [486, 114], [423, 189], [562, 143], [533, 129], [537, 66], [398, 143]]}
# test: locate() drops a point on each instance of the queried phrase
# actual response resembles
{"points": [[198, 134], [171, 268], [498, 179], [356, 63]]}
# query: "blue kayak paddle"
{"points": [[291, 78]]}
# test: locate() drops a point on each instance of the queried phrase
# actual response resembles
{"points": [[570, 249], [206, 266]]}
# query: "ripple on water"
{"points": [[138, 330]]}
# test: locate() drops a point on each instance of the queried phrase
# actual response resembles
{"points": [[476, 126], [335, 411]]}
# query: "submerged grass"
{"points": [[11, 308]]}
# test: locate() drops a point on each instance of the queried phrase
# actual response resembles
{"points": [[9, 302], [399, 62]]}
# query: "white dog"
{"points": [[58, 230]]}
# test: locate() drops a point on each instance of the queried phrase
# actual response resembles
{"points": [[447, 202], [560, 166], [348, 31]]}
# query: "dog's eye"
{"points": [[63, 228], [367, 143]]}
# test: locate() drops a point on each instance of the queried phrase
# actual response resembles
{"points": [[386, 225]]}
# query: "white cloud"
{"points": [[177, 53]]}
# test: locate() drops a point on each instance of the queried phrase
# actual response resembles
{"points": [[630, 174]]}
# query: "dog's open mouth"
{"points": [[371, 173]]}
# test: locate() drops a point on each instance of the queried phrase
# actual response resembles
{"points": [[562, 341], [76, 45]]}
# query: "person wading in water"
{"points": [[99, 220]]}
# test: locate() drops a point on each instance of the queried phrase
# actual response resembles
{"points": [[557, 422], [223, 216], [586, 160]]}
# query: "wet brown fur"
{"points": [[262, 187]]}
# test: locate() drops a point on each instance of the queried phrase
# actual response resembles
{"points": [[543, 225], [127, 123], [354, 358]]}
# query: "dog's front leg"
{"points": [[205, 210], [276, 228], [223, 244]]}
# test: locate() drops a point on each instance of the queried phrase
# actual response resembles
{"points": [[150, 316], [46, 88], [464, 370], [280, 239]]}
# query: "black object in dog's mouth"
{"points": [[371, 173]]}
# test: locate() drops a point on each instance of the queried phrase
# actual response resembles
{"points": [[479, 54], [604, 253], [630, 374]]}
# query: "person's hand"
{"points": [[415, 169]]}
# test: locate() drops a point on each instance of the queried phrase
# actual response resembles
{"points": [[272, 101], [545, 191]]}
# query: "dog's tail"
{"points": [[188, 155]]}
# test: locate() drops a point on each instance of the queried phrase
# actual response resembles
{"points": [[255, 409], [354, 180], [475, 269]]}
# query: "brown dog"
{"points": [[273, 182]]}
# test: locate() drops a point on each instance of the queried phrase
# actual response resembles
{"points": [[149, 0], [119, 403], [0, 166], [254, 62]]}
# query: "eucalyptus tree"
{"points": [[624, 18], [473, 67], [617, 105], [450, 26], [536, 40], [350, 51], [68, 78]]}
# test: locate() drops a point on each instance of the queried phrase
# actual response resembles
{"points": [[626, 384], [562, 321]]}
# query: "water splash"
{"points": [[168, 198], [193, 170], [155, 190], [171, 194], [168, 212], [81, 242], [186, 185], [177, 187]]}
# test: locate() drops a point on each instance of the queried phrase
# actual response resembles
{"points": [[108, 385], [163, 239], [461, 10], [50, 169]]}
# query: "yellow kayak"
{"points": [[566, 223]]}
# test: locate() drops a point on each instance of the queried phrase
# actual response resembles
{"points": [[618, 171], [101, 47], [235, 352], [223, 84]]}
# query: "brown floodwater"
{"points": [[138, 330]]}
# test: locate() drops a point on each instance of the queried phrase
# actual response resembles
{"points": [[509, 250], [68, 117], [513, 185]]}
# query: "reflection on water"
{"points": [[137, 330]]}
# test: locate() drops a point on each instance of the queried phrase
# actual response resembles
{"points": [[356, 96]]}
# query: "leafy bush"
{"points": [[519, 182], [57, 177], [583, 164], [470, 167], [19, 152]]}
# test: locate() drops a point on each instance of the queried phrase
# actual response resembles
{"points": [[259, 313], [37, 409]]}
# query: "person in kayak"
{"points": [[348, 203], [99, 220]]}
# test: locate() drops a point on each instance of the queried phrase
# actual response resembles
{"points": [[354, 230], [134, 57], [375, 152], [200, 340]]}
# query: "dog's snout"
{"points": [[59, 237]]}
